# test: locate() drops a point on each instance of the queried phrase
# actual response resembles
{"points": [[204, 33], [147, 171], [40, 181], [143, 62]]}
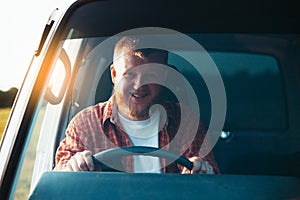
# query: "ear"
{"points": [[113, 73]]}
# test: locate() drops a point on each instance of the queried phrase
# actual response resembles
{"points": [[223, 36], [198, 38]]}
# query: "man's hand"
{"points": [[200, 166], [81, 161]]}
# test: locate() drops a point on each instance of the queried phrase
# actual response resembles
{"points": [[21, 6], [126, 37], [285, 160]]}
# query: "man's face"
{"points": [[133, 96]]}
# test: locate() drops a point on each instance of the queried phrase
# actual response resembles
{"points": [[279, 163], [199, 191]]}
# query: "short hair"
{"points": [[130, 45]]}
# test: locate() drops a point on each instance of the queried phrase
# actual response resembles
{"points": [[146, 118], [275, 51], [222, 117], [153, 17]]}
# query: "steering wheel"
{"points": [[112, 156]]}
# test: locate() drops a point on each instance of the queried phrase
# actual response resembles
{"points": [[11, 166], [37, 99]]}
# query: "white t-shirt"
{"points": [[144, 133]]}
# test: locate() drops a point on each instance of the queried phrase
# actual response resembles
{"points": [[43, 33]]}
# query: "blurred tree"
{"points": [[7, 98]]}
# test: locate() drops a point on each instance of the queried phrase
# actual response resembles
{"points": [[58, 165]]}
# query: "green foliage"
{"points": [[7, 98]]}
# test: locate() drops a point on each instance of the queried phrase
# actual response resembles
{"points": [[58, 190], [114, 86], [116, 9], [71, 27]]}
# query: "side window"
{"points": [[26, 173], [254, 91], [38, 156], [39, 153]]}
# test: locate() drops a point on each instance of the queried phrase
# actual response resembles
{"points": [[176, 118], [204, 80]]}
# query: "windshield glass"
{"points": [[232, 81]]}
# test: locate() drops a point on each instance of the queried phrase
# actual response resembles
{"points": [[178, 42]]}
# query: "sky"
{"points": [[22, 24]]}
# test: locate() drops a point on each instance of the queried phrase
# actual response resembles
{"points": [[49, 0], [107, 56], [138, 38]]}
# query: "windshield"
{"points": [[232, 81]]}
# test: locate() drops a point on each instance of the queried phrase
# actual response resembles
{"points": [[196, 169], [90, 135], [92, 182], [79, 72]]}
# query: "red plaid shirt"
{"points": [[96, 128]]}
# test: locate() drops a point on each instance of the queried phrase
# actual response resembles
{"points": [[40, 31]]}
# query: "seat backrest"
{"points": [[105, 87]]}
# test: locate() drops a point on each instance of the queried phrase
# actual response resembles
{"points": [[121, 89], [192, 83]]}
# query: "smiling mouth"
{"points": [[139, 95]]}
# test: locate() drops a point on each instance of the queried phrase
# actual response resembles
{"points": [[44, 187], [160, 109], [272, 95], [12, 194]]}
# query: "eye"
{"points": [[128, 75], [151, 77]]}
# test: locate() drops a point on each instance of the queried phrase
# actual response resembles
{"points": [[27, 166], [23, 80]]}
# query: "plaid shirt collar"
{"points": [[110, 111]]}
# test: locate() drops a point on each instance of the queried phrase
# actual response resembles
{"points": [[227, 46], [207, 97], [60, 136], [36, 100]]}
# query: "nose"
{"points": [[137, 82]]}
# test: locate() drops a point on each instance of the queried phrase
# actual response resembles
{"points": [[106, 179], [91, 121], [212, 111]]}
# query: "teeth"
{"points": [[139, 95]]}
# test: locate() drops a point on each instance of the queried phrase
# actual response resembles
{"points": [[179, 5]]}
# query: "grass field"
{"points": [[4, 113]]}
